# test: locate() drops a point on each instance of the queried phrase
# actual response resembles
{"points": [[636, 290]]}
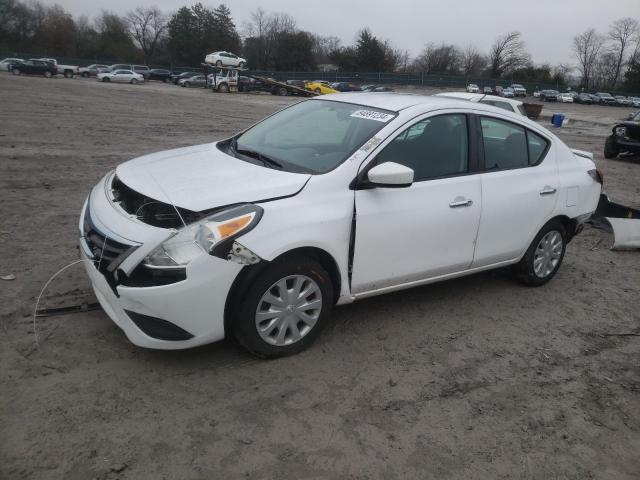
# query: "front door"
{"points": [[429, 228]]}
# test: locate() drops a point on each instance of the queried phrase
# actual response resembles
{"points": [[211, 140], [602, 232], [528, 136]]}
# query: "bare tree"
{"points": [[586, 48], [442, 59], [508, 53], [147, 25], [472, 62], [622, 32]]}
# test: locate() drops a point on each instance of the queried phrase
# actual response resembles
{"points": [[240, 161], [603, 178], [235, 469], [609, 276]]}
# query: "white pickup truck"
{"points": [[67, 70]]}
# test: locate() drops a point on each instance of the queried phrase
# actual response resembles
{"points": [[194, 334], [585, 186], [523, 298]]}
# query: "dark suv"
{"points": [[625, 137], [34, 67]]}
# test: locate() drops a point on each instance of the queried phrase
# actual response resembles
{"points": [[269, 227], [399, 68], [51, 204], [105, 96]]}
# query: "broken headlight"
{"points": [[621, 131], [213, 235]]}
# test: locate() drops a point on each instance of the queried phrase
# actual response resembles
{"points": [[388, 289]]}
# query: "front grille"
{"points": [[108, 253], [149, 210]]}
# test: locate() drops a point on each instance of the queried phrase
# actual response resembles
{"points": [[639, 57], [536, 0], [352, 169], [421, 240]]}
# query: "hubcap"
{"points": [[548, 253], [288, 310]]}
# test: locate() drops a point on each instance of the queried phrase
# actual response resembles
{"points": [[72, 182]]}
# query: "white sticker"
{"points": [[372, 115]]}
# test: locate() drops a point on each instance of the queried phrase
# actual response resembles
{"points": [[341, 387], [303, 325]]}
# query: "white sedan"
{"points": [[331, 200], [120, 76], [6, 63], [226, 59], [473, 88], [565, 98], [508, 104]]}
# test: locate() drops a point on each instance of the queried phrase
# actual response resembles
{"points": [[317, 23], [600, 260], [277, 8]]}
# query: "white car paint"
{"points": [[226, 59], [5, 63], [565, 98], [473, 88], [403, 236], [508, 104], [120, 76]]}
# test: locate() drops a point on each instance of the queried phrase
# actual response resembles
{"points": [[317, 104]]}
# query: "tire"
{"points": [[297, 273], [537, 266], [85, 74], [48, 74], [16, 71], [282, 92], [134, 81], [241, 65], [68, 74], [223, 88], [186, 84], [219, 63], [106, 79], [317, 90], [611, 149]]}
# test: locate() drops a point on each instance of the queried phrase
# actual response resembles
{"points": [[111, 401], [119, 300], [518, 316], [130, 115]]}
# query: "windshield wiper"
{"points": [[263, 158]]}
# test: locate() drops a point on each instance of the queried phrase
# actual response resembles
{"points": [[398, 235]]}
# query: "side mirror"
{"points": [[390, 175]]}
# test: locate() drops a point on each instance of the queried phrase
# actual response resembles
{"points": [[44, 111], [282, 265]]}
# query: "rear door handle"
{"points": [[547, 190], [461, 202]]}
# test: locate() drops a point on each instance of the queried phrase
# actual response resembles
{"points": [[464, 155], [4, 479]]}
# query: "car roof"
{"points": [[396, 102], [477, 96]]}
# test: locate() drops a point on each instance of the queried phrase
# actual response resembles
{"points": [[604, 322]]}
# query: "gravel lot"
{"points": [[474, 378]]}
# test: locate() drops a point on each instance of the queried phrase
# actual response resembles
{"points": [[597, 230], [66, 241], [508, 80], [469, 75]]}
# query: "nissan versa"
{"points": [[328, 201]]}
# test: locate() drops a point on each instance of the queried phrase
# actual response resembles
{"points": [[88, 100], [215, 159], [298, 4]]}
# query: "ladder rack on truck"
{"points": [[276, 87]]}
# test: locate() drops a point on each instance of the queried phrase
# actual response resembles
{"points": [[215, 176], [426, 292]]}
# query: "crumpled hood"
{"points": [[202, 177]]}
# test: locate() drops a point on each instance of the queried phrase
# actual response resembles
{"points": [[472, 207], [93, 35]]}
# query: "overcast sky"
{"points": [[547, 26]]}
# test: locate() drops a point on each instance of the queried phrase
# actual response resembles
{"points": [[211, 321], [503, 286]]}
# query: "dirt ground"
{"points": [[474, 378]]}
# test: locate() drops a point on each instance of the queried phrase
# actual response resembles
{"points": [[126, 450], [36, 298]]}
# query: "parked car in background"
{"points": [[622, 101], [34, 67], [320, 87], [67, 70], [518, 90], [508, 104], [565, 98], [507, 93], [624, 138], [473, 88], [594, 98], [584, 98], [606, 99], [91, 70], [195, 81], [634, 101], [260, 239], [176, 77], [5, 64], [159, 74], [139, 69], [345, 87], [549, 95], [487, 91], [121, 76], [225, 59], [376, 88], [536, 93]]}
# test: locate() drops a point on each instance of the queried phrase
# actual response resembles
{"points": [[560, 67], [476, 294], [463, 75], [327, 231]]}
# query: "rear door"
{"points": [[519, 189], [428, 229]]}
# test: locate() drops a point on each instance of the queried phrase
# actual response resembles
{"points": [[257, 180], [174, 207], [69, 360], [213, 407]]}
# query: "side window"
{"points": [[433, 147], [505, 144], [496, 103], [537, 147]]}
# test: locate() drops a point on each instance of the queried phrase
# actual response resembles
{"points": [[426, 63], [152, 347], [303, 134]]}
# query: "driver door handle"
{"points": [[547, 190], [461, 202]]}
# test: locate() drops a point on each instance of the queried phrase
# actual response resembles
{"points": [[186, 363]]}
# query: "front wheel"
{"points": [[318, 91], [611, 149], [134, 81], [85, 74], [285, 308], [223, 88], [47, 74], [68, 74], [106, 79], [241, 65], [544, 256], [219, 63], [16, 71]]}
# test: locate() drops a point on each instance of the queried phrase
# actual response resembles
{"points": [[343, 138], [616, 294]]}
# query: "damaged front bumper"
{"points": [[183, 313]]}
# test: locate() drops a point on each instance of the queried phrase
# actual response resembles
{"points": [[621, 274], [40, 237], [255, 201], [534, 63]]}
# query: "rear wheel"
{"points": [[219, 63], [85, 74], [16, 71], [68, 74], [544, 256], [106, 79], [282, 91], [47, 74], [241, 65], [134, 81], [611, 149], [223, 88], [285, 308], [186, 84], [317, 90]]}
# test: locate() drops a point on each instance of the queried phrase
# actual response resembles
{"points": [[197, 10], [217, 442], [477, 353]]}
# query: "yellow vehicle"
{"points": [[320, 87]]}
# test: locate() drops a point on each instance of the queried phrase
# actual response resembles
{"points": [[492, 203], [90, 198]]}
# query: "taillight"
{"points": [[597, 175]]}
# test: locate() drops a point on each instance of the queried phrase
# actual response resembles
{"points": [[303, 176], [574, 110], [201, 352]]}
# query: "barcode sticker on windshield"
{"points": [[372, 115]]}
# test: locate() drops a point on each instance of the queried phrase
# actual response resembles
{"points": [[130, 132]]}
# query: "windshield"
{"points": [[313, 136]]}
